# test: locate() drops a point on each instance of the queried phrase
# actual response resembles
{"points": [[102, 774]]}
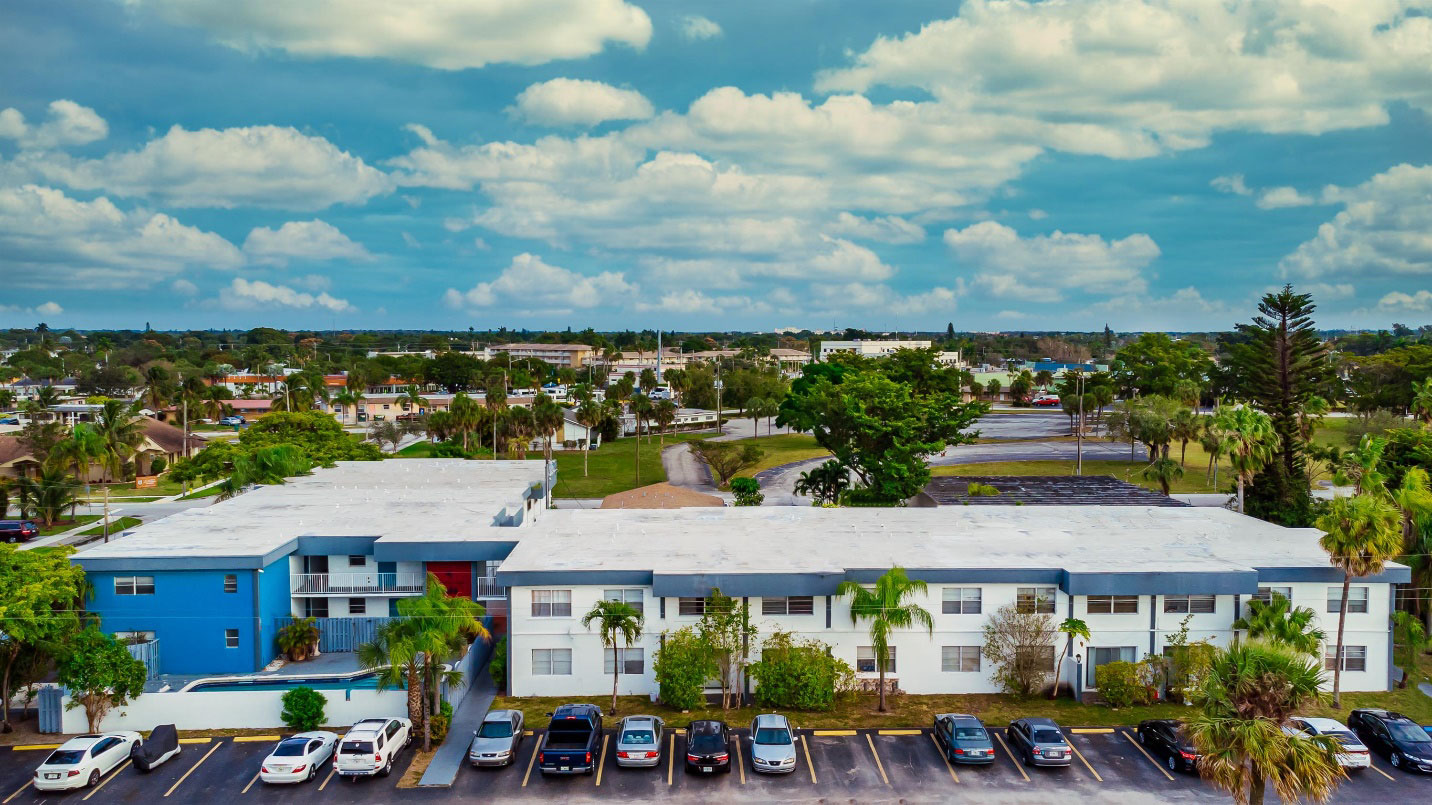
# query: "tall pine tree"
{"points": [[1277, 366]]}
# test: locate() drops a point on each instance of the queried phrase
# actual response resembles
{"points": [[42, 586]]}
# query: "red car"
{"points": [[18, 530], [1047, 401]]}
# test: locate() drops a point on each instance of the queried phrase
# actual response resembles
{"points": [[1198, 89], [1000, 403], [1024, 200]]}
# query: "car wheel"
{"points": [[1143, 737], [1028, 759], [1395, 760], [93, 779], [312, 772], [1172, 764], [387, 769]]}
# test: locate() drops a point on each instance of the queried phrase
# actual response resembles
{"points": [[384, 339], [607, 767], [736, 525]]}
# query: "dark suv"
{"points": [[1394, 736], [18, 530], [708, 747]]}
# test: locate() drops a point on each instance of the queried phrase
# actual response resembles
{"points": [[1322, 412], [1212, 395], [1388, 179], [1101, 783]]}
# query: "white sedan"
{"points": [[81, 762], [298, 757]]}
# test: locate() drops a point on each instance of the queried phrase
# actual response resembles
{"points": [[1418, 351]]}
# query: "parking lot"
{"points": [[831, 765]]}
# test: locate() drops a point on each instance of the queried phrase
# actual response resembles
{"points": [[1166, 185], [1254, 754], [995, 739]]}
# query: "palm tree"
{"points": [[1361, 534], [215, 402], [495, 398], [346, 398], [1278, 621], [1248, 439], [439, 425], [466, 415], [442, 626], [548, 417], [413, 397], [121, 434], [616, 620], [46, 396], [1422, 401], [518, 428], [590, 414], [1165, 471], [646, 381], [768, 408], [886, 609], [664, 412], [1212, 443], [1071, 628], [83, 447], [1187, 425], [46, 494], [641, 409], [1361, 466], [1043, 378], [396, 655], [1251, 691]]}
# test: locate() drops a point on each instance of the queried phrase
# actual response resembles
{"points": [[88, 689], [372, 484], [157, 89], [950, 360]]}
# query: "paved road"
{"points": [[831, 766]]}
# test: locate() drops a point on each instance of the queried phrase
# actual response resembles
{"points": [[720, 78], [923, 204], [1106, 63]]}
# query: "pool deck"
{"points": [[343, 662]]}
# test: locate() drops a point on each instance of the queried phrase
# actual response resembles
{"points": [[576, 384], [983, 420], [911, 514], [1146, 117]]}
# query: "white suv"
{"points": [[371, 746]]}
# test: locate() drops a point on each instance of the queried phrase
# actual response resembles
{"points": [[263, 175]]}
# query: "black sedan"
{"points": [[1164, 738], [1394, 736], [708, 747]]}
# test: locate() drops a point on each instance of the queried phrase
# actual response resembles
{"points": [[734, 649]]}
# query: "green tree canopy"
{"points": [[40, 596], [1154, 363], [100, 673]]}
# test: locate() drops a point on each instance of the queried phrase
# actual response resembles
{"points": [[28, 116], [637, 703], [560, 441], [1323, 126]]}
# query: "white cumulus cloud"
{"points": [[1400, 302], [242, 294], [49, 309], [575, 102], [695, 27], [529, 284], [886, 229], [184, 287], [1232, 183], [1044, 267], [1384, 229], [1278, 197], [301, 240], [443, 34], [68, 124]]}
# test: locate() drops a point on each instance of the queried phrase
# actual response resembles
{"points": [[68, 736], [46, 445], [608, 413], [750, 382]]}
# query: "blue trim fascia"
{"points": [[443, 551], [1392, 573], [560, 578], [984, 575], [1229, 582], [335, 546], [761, 585]]}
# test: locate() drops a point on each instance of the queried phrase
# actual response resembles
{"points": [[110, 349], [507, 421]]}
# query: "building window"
{"points": [[357, 606], [960, 659], [1356, 599], [1354, 658], [1035, 600], [1043, 655], [865, 659], [634, 598], [1113, 604], [231, 583], [131, 638], [790, 605], [691, 606], [1186, 604], [961, 601], [551, 662], [357, 561], [551, 603], [629, 660], [1104, 656], [315, 607], [231, 638], [134, 585], [1265, 594]]}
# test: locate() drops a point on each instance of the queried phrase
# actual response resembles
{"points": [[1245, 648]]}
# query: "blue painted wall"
{"points": [[188, 612], [275, 597]]}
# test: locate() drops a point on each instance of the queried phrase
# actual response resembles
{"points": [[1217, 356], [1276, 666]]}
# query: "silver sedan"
{"points": [[773, 745], [497, 741], [639, 741]]}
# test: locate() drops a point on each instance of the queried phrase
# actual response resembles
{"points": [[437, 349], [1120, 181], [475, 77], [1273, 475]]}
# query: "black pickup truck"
{"points": [[573, 740]]}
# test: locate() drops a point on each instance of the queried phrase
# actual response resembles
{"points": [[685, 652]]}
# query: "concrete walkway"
{"points": [[1425, 687], [448, 760]]}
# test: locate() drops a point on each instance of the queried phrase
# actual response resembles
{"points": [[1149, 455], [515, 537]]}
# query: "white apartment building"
{"points": [[872, 348], [1133, 573]]}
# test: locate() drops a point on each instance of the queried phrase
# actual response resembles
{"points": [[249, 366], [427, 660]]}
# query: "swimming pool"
{"points": [[368, 681]]}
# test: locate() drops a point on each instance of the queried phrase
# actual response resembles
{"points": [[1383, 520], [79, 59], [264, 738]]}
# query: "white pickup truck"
{"points": [[371, 746]]}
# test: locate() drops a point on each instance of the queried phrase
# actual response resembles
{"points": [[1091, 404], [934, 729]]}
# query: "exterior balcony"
{"points": [[358, 584]]}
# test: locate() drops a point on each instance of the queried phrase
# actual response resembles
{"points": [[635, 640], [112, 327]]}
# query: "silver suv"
{"points": [[773, 744]]}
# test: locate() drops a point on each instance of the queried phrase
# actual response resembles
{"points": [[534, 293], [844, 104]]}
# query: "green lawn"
{"points": [[611, 468], [203, 493], [115, 526], [164, 489], [65, 524], [783, 449]]}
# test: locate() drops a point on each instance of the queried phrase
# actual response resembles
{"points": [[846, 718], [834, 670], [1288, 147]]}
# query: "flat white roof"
{"points": [[1115, 539], [437, 499]]}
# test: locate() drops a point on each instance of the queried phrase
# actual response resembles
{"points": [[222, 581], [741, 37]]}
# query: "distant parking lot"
{"points": [[832, 765]]}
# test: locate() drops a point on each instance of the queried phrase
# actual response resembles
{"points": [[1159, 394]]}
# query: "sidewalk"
{"points": [[442, 771], [58, 539]]}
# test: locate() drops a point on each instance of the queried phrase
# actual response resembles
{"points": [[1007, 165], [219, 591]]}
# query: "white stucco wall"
{"points": [[236, 710]]}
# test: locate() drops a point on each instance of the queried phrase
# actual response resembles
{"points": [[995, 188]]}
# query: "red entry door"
{"points": [[455, 576]]}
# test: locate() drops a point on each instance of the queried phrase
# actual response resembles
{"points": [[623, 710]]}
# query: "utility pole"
{"points": [[106, 513], [658, 356], [1079, 458], [184, 401]]}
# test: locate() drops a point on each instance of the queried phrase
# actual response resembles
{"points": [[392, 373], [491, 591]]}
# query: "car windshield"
{"points": [[293, 747], [971, 734], [1047, 736], [495, 729], [773, 736], [1409, 732], [707, 743], [639, 737], [1343, 738], [65, 757], [356, 748]]}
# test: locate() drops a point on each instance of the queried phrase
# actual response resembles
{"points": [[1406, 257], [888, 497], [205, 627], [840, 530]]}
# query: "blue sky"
{"points": [[735, 165]]}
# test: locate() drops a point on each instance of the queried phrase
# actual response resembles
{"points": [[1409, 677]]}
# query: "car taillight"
{"points": [[1034, 750], [959, 751], [722, 758], [377, 758], [73, 773], [1187, 755], [624, 755], [650, 755], [264, 769], [693, 758], [589, 757], [298, 769]]}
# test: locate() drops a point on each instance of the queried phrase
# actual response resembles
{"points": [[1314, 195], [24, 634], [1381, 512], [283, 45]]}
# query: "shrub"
{"points": [[441, 721], [157, 466], [298, 638], [979, 490], [1124, 684], [1018, 644], [450, 449], [303, 709], [748, 491], [683, 664], [497, 667], [799, 674]]}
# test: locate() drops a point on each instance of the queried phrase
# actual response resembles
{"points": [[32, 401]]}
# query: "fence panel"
{"points": [[337, 635], [147, 653], [51, 710]]}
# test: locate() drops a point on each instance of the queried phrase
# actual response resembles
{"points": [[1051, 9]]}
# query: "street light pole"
{"points": [[1079, 459]]}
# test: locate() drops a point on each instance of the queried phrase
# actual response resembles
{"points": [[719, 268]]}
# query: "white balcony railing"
{"points": [[487, 587], [358, 583]]}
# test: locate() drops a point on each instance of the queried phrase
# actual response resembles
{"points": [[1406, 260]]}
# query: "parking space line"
{"points": [[536, 745], [671, 759], [878, 764], [1017, 767], [331, 772], [1145, 753], [740, 761], [177, 783], [251, 782], [948, 764], [805, 744], [17, 792], [528, 732], [1091, 730], [195, 740], [255, 738], [602, 761], [28, 747], [1080, 755], [1374, 767], [832, 733], [102, 783], [899, 732]]}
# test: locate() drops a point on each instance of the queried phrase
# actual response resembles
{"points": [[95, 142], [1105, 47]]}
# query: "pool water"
{"points": [[360, 682]]}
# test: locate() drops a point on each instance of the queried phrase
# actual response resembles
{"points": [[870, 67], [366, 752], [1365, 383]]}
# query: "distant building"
{"points": [[571, 356], [869, 348]]}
